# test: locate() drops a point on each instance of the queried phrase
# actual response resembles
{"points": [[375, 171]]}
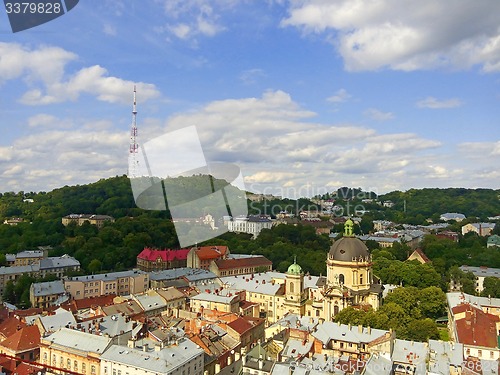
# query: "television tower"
{"points": [[133, 162]]}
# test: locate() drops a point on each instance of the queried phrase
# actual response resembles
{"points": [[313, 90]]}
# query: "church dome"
{"points": [[348, 248], [294, 269]]}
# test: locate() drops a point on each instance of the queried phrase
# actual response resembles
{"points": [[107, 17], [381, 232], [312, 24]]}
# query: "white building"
{"points": [[249, 224], [183, 358], [480, 273]]}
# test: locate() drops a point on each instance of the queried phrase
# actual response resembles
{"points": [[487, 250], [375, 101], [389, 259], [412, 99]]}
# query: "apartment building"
{"points": [[118, 283]]}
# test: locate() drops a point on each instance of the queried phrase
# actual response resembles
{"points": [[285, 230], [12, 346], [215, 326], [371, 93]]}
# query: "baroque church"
{"points": [[349, 281]]}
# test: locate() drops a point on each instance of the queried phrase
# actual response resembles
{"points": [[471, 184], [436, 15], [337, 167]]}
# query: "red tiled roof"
{"points": [[10, 325], [211, 252], [246, 305], [240, 325], [166, 255], [27, 369], [477, 328], [224, 264], [87, 303], [27, 338], [422, 255]]}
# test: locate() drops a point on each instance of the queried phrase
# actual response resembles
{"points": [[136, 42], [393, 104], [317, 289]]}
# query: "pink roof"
{"points": [[166, 255]]}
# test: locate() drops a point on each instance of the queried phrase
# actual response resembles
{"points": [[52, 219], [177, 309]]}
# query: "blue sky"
{"points": [[305, 96]]}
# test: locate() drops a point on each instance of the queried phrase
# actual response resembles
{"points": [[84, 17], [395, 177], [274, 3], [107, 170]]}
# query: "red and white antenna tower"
{"points": [[133, 162]]}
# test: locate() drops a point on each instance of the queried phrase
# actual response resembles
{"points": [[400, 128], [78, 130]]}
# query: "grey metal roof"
{"points": [[191, 274], [61, 318], [14, 270], [343, 332], [150, 300], [404, 351], [109, 276], [482, 271], [211, 297], [58, 262], [29, 254], [455, 298], [443, 354], [256, 283], [77, 340], [163, 361], [48, 288]]}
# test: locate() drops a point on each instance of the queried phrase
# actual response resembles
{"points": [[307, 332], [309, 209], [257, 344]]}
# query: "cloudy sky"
{"points": [[304, 95]]}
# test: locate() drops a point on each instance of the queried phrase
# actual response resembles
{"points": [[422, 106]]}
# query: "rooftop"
{"points": [[110, 276], [162, 361], [48, 288], [26, 338], [166, 255], [77, 340]]}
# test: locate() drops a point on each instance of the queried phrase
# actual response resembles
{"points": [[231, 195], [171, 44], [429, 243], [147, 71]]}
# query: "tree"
{"points": [[432, 302], [350, 315], [420, 330], [9, 294], [491, 287], [94, 266]]}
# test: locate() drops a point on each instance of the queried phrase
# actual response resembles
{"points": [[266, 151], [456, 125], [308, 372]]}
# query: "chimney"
{"points": [[157, 347], [229, 360], [360, 328], [217, 368], [261, 362], [131, 343], [244, 360], [369, 329], [349, 326], [145, 347], [237, 356]]}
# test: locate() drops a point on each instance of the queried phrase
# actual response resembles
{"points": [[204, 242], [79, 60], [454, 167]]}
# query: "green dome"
{"points": [[294, 269]]}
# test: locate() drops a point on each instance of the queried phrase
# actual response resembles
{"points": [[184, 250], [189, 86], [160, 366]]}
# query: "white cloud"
{"points": [[378, 115], [433, 103], [404, 34], [251, 76], [109, 29], [339, 97], [43, 69], [189, 19], [275, 141]]}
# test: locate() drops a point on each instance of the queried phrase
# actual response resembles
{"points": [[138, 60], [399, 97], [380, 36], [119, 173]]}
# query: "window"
{"points": [[84, 369], [92, 369], [341, 278], [361, 279], [291, 288], [68, 364], [75, 365]]}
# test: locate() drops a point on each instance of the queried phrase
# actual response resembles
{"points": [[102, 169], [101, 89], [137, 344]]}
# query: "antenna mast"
{"points": [[133, 163]]}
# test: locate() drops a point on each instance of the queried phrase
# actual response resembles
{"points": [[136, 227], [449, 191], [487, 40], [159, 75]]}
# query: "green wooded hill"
{"points": [[428, 202]]}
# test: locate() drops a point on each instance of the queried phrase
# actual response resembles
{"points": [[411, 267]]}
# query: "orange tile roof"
{"points": [[27, 338], [211, 252], [477, 328], [10, 325]]}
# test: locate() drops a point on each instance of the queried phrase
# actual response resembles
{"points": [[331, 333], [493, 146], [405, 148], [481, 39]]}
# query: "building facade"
{"points": [[118, 283], [157, 260]]}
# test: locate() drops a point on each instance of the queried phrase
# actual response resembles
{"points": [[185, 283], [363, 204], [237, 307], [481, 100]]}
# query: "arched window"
{"points": [[335, 309], [341, 278], [291, 288], [361, 278]]}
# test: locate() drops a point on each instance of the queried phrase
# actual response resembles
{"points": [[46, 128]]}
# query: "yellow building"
{"points": [[73, 350]]}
